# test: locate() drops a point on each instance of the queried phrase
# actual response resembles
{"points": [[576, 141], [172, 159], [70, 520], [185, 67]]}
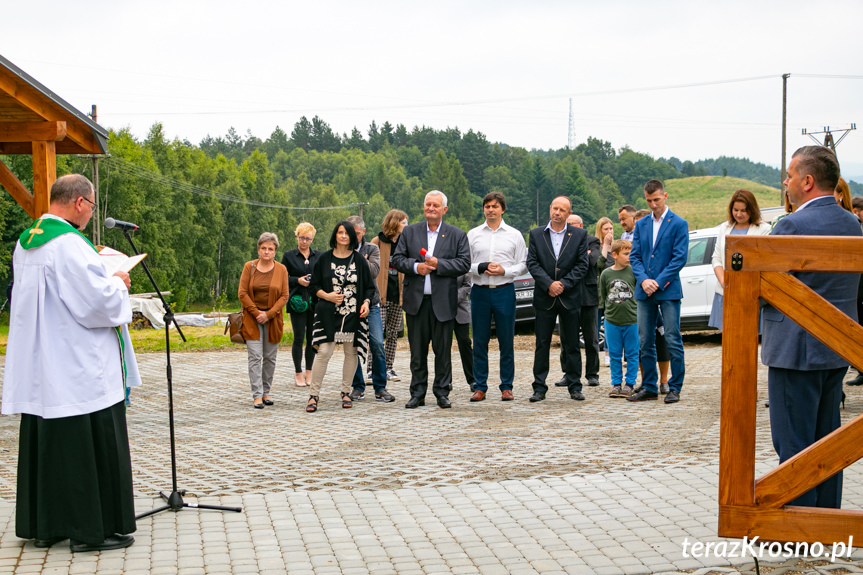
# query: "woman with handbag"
{"points": [[263, 292], [390, 284], [343, 285], [300, 262]]}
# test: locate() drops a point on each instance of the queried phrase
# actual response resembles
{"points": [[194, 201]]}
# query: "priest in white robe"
{"points": [[68, 361]]}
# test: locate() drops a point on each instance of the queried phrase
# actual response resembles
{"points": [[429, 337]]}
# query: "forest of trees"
{"points": [[201, 208]]}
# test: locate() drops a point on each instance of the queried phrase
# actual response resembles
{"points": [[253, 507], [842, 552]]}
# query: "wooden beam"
{"points": [[812, 466], [809, 524], [32, 131], [44, 174], [17, 190], [38, 103], [739, 389], [797, 253], [814, 314]]}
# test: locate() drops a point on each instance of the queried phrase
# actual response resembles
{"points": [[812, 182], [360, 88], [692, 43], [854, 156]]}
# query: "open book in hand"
{"points": [[118, 261]]}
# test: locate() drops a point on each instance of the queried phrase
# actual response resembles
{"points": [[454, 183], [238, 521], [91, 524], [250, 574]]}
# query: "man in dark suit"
{"points": [[557, 259], [589, 314], [659, 250], [804, 377], [432, 255]]}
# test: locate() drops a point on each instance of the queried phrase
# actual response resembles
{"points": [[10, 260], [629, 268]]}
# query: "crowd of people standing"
{"points": [[74, 466]]}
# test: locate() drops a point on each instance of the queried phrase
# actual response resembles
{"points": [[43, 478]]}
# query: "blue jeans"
{"points": [[499, 303], [620, 340], [376, 354], [648, 316]]}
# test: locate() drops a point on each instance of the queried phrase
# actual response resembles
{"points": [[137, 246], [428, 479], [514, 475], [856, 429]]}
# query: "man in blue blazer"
{"points": [[557, 259], [659, 250], [432, 255], [804, 377]]}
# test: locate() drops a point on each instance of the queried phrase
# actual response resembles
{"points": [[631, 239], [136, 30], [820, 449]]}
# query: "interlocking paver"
{"points": [[514, 487]]}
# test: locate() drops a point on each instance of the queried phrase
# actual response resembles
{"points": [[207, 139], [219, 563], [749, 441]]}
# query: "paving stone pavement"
{"points": [[601, 486]]}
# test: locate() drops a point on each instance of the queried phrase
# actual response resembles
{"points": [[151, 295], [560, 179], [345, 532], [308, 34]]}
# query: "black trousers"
{"points": [[544, 327], [465, 351], [423, 328], [587, 323], [301, 324]]}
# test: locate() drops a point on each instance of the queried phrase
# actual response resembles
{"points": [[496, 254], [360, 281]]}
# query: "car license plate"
{"points": [[524, 294]]}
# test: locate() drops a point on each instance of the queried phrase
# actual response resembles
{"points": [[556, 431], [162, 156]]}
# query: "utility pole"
{"points": [[571, 137], [360, 209], [97, 216], [784, 115], [829, 141]]}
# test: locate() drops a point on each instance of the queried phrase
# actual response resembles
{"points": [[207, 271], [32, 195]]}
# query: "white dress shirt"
{"points": [[504, 246], [431, 239], [657, 224], [556, 239]]}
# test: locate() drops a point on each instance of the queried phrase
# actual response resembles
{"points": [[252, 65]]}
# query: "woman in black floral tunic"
{"points": [[344, 288]]}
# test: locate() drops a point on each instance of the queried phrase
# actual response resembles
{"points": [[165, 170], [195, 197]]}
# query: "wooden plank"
{"points": [[797, 253], [32, 131], [812, 466], [32, 99], [815, 314], [44, 174], [739, 389], [17, 190], [66, 146], [809, 524]]}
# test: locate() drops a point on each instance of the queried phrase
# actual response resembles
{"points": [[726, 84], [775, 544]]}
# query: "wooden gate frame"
{"points": [[750, 507]]}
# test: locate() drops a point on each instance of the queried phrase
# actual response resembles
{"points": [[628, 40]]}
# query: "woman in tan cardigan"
{"points": [[263, 292], [390, 284]]}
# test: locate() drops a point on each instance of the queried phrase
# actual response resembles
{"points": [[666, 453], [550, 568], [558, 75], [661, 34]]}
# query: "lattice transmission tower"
{"points": [[570, 142]]}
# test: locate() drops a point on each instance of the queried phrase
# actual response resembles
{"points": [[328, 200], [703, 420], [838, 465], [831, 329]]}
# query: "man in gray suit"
{"points": [[461, 330], [804, 379]]}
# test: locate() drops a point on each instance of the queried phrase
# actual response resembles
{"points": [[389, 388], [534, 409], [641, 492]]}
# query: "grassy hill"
{"points": [[703, 200]]}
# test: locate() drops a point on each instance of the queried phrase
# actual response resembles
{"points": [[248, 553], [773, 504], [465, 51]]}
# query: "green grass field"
{"points": [[703, 200]]}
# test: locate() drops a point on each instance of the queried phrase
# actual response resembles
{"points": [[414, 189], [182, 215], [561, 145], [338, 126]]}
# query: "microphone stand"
{"points": [[174, 501]]}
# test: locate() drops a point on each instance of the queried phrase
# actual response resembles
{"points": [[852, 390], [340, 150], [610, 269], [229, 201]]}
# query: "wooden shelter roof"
{"points": [[31, 112]]}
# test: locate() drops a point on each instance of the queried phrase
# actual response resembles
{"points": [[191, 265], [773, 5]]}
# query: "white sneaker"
{"points": [[607, 361], [391, 376]]}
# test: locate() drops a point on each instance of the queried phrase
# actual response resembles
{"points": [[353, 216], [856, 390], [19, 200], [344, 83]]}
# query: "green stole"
{"points": [[43, 231]]}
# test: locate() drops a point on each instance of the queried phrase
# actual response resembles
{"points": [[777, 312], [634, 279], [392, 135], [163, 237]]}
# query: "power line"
{"points": [[463, 102], [155, 177]]}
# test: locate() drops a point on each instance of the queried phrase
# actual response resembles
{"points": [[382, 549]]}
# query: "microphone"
{"points": [[112, 223]]}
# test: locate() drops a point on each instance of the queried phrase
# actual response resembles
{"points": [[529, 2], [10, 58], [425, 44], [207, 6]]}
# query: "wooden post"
{"points": [[44, 174]]}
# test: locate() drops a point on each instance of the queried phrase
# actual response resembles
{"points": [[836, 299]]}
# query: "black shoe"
{"points": [[415, 402], [267, 401], [45, 543], [592, 381], [672, 397], [561, 383], [443, 402], [663, 388], [384, 395], [114, 542], [577, 395], [357, 394], [536, 397], [856, 381], [642, 395]]}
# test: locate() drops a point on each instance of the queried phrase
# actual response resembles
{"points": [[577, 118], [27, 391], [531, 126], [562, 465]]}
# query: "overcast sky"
{"points": [[687, 79]]}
